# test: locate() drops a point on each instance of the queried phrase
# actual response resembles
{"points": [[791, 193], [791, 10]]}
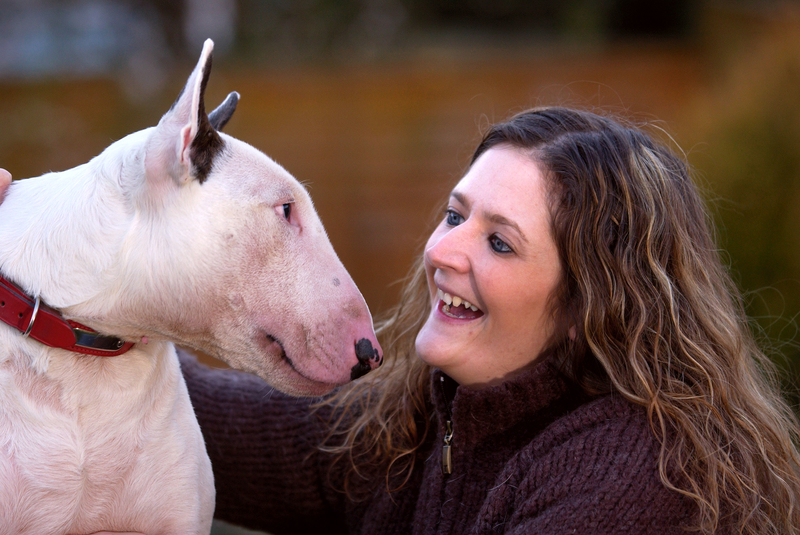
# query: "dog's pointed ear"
{"points": [[222, 113], [185, 142]]}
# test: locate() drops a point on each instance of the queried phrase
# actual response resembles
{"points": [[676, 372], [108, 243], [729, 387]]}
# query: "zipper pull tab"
{"points": [[447, 460]]}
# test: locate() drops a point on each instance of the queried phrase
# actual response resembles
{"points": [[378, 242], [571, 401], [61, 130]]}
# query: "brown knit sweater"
{"points": [[532, 455]]}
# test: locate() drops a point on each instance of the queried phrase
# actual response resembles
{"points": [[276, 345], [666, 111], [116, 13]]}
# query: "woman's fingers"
{"points": [[5, 180]]}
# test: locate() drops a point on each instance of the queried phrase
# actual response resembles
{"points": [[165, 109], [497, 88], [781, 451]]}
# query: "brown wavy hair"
{"points": [[653, 314]]}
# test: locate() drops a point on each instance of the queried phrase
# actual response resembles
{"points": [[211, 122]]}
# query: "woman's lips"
{"points": [[454, 306], [459, 312]]}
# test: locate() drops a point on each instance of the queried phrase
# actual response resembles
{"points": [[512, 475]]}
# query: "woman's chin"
{"points": [[436, 348]]}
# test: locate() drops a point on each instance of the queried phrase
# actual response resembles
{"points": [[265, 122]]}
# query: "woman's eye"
{"points": [[287, 210], [453, 218], [499, 246]]}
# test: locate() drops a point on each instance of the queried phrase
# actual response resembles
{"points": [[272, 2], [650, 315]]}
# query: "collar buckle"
{"points": [[33, 317]]}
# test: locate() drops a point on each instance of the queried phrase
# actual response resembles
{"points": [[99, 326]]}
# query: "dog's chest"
{"points": [[73, 463]]}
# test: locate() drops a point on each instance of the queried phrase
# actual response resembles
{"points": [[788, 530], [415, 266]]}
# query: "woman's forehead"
{"points": [[502, 177]]}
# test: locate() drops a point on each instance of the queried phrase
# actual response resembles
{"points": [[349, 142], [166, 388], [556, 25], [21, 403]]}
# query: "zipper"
{"points": [[447, 459]]}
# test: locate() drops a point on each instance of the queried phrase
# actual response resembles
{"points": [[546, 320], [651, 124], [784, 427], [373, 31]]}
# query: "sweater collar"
{"points": [[494, 409]]}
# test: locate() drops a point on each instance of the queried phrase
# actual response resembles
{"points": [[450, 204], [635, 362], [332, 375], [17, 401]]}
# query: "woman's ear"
{"points": [[572, 332], [5, 181]]}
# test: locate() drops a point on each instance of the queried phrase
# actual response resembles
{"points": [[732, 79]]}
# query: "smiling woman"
{"points": [[569, 356], [493, 250]]}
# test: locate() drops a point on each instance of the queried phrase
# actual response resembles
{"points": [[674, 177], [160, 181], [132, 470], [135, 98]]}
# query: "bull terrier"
{"points": [[174, 234]]}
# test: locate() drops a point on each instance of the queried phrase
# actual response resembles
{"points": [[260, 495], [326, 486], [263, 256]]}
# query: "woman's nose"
{"points": [[448, 249]]}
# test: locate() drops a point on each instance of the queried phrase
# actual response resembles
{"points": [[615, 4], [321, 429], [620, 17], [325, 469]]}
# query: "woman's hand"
{"points": [[5, 180]]}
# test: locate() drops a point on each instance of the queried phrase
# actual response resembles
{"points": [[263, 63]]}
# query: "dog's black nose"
{"points": [[368, 357]]}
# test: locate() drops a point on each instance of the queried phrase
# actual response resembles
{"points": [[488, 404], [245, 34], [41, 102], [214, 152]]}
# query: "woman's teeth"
{"points": [[454, 300]]}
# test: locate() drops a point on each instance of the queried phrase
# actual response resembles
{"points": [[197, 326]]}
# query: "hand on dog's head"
{"points": [[5, 181]]}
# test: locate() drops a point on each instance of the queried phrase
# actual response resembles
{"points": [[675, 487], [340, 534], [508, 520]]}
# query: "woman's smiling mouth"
{"points": [[456, 307]]}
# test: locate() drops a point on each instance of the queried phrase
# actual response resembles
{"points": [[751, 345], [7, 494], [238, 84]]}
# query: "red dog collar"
{"points": [[33, 318]]}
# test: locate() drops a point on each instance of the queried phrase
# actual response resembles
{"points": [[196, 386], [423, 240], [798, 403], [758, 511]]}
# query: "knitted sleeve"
{"points": [[596, 472], [267, 472]]}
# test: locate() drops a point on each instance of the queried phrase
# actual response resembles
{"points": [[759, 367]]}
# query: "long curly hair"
{"points": [[645, 308]]}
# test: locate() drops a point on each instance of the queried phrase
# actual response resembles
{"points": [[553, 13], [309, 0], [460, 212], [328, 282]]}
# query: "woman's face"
{"points": [[493, 252]]}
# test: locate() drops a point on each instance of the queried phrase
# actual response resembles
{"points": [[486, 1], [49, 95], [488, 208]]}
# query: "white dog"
{"points": [[176, 233]]}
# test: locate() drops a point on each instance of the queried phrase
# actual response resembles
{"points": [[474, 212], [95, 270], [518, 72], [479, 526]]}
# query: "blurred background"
{"points": [[376, 105]]}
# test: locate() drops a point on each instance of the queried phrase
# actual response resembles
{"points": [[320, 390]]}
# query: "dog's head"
{"points": [[225, 253]]}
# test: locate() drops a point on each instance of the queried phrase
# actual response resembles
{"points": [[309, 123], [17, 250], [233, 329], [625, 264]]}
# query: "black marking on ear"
{"points": [[222, 113], [207, 143]]}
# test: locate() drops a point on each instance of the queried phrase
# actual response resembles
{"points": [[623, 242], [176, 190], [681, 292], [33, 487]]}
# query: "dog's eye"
{"points": [[286, 210]]}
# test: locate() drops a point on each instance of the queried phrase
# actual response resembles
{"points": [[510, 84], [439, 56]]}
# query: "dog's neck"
{"points": [[39, 235], [63, 233], [63, 237], [90, 242]]}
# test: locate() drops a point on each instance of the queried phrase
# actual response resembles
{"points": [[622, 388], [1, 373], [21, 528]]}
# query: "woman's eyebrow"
{"points": [[457, 195], [491, 217], [502, 220]]}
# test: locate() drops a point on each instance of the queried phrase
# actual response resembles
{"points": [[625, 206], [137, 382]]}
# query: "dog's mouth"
{"points": [[275, 348], [281, 351]]}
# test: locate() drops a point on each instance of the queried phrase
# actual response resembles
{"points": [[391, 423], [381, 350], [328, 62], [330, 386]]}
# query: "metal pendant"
{"points": [[447, 460]]}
